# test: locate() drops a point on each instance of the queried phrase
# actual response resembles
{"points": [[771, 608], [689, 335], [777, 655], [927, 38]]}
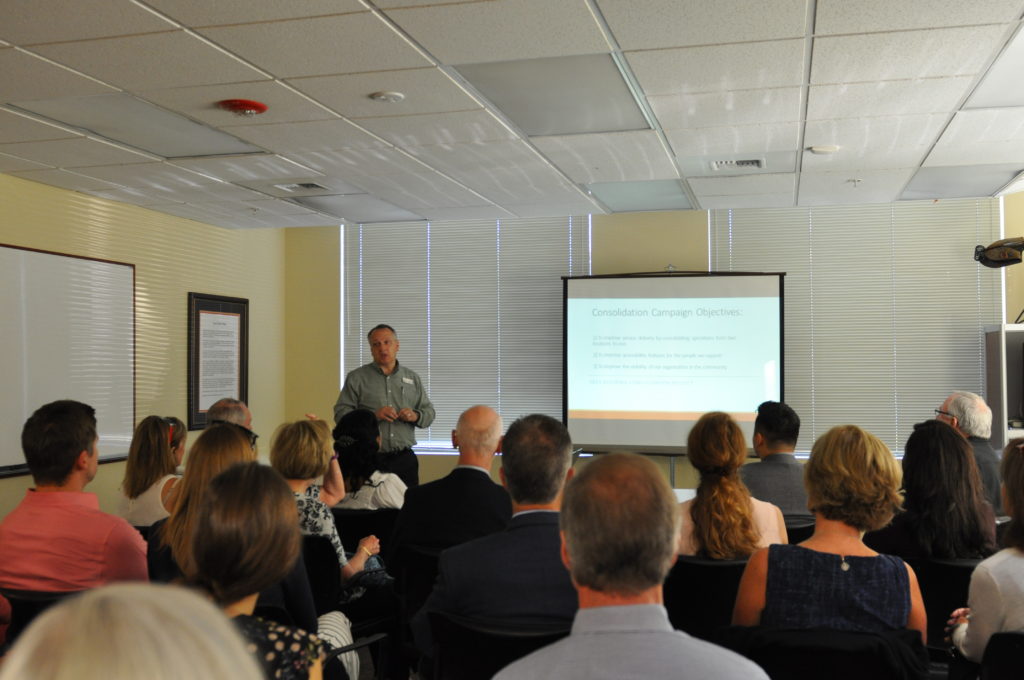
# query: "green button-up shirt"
{"points": [[367, 387]]}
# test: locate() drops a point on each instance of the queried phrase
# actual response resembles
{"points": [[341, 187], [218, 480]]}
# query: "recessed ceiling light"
{"points": [[823, 149], [389, 97]]}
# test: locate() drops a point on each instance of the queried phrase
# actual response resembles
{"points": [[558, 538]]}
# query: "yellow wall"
{"points": [[1013, 219], [650, 241], [172, 256]]}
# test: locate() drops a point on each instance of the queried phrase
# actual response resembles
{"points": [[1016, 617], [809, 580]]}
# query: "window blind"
{"points": [[884, 305], [477, 306]]}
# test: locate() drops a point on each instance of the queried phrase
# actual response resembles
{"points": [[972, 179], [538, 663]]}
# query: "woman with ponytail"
{"points": [[150, 486], [723, 521]]}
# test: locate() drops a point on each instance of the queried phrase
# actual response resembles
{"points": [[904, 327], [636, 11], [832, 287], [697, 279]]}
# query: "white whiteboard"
{"points": [[68, 332]]}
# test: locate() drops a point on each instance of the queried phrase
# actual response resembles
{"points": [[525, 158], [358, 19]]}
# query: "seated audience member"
{"points": [[779, 477], [832, 580], [170, 541], [996, 596], [620, 529], [463, 505], [970, 416], [57, 539], [356, 440], [150, 486], [229, 410], [129, 632], [245, 540], [945, 513], [515, 576], [722, 521]]}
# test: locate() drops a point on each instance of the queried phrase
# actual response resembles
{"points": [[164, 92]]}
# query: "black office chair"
{"points": [[324, 571], [832, 654], [944, 584], [355, 524], [466, 649], [26, 605], [799, 529], [700, 594], [414, 581], [1004, 657]]}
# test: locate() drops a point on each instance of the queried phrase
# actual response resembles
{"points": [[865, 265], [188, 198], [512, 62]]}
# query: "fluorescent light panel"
{"points": [[559, 95], [139, 124], [662, 194], [358, 208], [961, 181]]}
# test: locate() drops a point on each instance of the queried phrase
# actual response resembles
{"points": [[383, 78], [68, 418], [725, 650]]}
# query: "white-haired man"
{"points": [[972, 418]]}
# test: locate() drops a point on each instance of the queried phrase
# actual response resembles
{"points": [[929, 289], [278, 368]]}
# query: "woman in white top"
{"points": [[723, 521], [996, 596], [150, 487], [356, 440]]}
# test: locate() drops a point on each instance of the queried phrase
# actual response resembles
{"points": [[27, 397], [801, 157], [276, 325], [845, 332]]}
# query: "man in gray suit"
{"points": [[779, 477], [620, 529]]}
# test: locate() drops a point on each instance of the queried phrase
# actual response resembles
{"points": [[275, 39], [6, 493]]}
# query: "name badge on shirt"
{"points": [[409, 381]]}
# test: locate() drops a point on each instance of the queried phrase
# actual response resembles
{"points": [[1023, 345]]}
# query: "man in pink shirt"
{"points": [[57, 539]]}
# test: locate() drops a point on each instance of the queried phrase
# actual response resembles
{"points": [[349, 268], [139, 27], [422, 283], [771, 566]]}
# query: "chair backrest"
{"points": [[471, 650], [798, 530], [415, 577], [355, 524], [324, 571], [832, 654], [700, 594], [26, 605], [944, 584], [1004, 657]]}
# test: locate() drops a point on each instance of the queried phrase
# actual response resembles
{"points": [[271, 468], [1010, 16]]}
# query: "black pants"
{"points": [[403, 463]]}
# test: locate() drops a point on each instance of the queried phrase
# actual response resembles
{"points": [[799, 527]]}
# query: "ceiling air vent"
{"points": [[300, 186], [752, 164]]}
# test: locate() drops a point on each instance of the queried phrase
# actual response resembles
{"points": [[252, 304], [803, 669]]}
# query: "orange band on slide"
{"points": [[650, 415]]}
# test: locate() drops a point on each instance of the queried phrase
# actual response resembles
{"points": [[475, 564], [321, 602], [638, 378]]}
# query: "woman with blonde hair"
{"points": [[130, 631], [170, 541], [832, 580], [150, 486], [723, 521]]}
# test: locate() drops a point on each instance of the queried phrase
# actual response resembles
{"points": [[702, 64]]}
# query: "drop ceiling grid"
{"points": [[609, 157], [104, 18], [198, 103]]}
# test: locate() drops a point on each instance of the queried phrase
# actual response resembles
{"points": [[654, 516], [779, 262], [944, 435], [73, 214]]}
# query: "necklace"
{"points": [[844, 565]]}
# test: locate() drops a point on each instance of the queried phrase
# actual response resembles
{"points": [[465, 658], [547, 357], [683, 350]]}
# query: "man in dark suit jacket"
{"points": [[516, 576], [971, 416], [464, 505]]}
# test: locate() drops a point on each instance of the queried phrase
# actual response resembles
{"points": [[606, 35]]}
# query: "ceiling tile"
{"points": [[66, 179], [979, 153], [734, 139], [779, 183], [200, 103], [987, 125], [747, 201], [481, 212], [358, 208], [720, 67], [960, 182], [27, 77], [836, 188], [502, 30], [149, 175], [74, 153], [644, 24], [15, 127], [879, 142], [13, 163], [867, 16], [610, 157], [438, 128], [571, 205], [904, 54], [150, 62], [426, 90], [310, 136], [205, 13], [887, 97], [249, 167], [1001, 84], [22, 25], [369, 44], [744, 107]]}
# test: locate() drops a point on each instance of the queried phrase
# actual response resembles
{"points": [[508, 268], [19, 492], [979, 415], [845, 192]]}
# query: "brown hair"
{"points": [[150, 456], [302, 450], [216, 449], [621, 524], [722, 512], [54, 436], [852, 477], [246, 537], [1012, 472]]}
